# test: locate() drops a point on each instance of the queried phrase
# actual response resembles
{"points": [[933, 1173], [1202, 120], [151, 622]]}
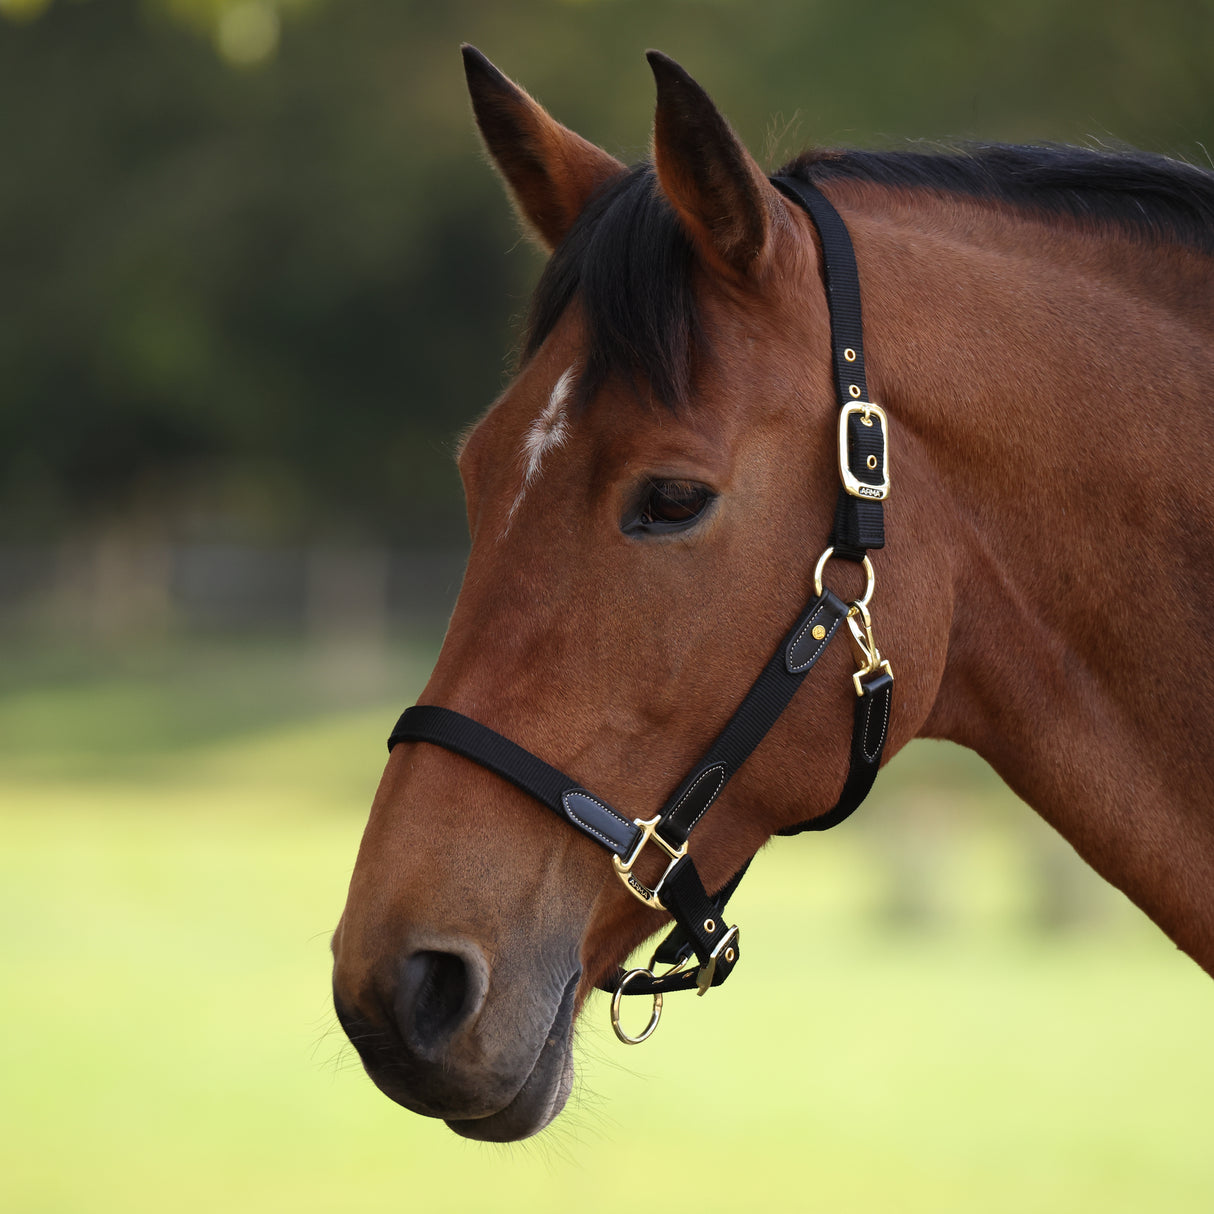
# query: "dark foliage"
{"points": [[260, 301]]}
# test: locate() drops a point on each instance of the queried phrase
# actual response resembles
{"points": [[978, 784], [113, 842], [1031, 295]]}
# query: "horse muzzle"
{"points": [[438, 1040]]}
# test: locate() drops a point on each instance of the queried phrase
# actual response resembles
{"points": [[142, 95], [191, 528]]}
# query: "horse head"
{"points": [[647, 501]]}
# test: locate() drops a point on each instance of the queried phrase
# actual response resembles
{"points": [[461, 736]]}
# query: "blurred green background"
{"points": [[254, 277]]}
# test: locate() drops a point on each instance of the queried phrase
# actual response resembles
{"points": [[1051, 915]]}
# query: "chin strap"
{"points": [[700, 930]]}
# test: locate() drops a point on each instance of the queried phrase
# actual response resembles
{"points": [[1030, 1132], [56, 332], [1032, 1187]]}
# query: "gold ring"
{"points": [[654, 1017], [868, 573]]}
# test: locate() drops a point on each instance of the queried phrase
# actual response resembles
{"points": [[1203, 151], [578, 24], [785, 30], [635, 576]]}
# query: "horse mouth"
{"points": [[544, 1091]]}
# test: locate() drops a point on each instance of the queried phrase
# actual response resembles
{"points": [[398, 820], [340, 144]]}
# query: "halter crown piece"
{"points": [[700, 930]]}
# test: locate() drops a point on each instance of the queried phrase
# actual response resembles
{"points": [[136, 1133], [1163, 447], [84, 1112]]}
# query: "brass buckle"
{"points": [[860, 624], [872, 415], [725, 948], [623, 868]]}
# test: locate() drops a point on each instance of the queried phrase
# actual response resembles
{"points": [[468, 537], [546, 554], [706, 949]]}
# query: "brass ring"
{"points": [[868, 573], [654, 1017]]}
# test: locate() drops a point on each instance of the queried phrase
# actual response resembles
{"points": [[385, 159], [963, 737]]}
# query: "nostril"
{"points": [[441, 984], [435, 997]]}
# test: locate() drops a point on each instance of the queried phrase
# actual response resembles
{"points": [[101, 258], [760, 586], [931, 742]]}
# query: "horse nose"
{"points": [[438, 994]]}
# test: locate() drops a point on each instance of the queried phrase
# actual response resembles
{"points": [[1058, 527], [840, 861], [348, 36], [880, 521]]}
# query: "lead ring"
{"points": [[868, 573], [654, 1017]]}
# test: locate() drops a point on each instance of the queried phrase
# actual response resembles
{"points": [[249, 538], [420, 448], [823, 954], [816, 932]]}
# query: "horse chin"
{"points": [[544, 1091]]}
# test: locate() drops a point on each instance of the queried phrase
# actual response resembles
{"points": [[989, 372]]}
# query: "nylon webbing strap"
{"points": [[869, 729], [565, 796], [767, 698], [676, 947], [859, 522]]}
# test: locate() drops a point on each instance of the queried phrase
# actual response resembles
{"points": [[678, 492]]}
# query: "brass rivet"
{"points": [[850, 355], [730, 955], [871, 461], [819, 632], [854, 390], [710, 926]]}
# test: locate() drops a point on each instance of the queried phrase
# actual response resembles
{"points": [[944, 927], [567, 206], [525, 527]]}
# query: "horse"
{"points": [[650, 502]]}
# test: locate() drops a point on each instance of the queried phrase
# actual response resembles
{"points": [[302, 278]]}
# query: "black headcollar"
{"points": [[700, 929]]}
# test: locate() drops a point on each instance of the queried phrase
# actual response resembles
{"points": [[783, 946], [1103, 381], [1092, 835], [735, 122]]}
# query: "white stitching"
{"points": [[871, 754], [586, 825], [813, 657], [717, 769]]}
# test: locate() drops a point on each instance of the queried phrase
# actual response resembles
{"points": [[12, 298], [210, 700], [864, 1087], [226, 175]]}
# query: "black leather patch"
{"points": [[690, 806], [806, 647], [597, 818]]}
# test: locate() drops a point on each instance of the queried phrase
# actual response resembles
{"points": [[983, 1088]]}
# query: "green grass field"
{"points": [[908, 1031]]}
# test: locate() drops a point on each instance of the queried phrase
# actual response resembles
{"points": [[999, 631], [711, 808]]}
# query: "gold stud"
{"points": [[730, 955], [819, 632], [872, 462], [850, 355], [854, 390], [710, 926]]}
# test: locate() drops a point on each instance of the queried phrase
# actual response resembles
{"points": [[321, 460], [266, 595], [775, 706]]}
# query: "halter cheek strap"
{"points": [[863, 457], [700, 929]]}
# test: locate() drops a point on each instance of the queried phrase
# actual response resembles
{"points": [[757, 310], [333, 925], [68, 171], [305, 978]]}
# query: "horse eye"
{"points": [[668, 506]]}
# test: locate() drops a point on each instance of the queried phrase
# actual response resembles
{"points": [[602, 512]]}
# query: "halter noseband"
{"points": [[700, 929]]}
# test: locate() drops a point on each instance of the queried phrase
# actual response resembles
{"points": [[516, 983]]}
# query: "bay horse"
{"points": [[650, 501]]}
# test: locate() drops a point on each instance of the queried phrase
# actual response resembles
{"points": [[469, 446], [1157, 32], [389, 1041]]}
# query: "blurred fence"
{"points": [[117, 587]]}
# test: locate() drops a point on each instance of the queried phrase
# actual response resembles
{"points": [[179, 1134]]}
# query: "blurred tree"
{"points": [[236, 288], [254, 276]]}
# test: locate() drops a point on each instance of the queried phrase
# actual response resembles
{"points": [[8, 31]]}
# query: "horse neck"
{"points": [[1051, 390]]}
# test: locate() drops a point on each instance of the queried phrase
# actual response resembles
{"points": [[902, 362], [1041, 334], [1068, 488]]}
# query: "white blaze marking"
{"points": [[548, 432]]}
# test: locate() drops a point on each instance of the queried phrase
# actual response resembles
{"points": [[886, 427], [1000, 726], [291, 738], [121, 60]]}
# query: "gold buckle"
{"points": [[726, 948], [623, 868], [873, 414]]}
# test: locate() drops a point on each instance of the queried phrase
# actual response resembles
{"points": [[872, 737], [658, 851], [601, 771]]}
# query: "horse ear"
{"points": [[550, 171], [724, 199]]}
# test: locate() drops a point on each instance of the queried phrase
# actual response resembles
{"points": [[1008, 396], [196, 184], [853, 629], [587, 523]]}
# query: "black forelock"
{"points": [[629, 263]]}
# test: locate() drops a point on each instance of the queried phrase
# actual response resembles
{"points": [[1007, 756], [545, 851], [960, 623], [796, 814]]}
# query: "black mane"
{"points": [[1155, 198], [630, 266]]}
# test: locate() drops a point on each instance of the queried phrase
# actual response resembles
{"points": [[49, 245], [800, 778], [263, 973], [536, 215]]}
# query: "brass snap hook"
{"points": [[868, 656]]}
